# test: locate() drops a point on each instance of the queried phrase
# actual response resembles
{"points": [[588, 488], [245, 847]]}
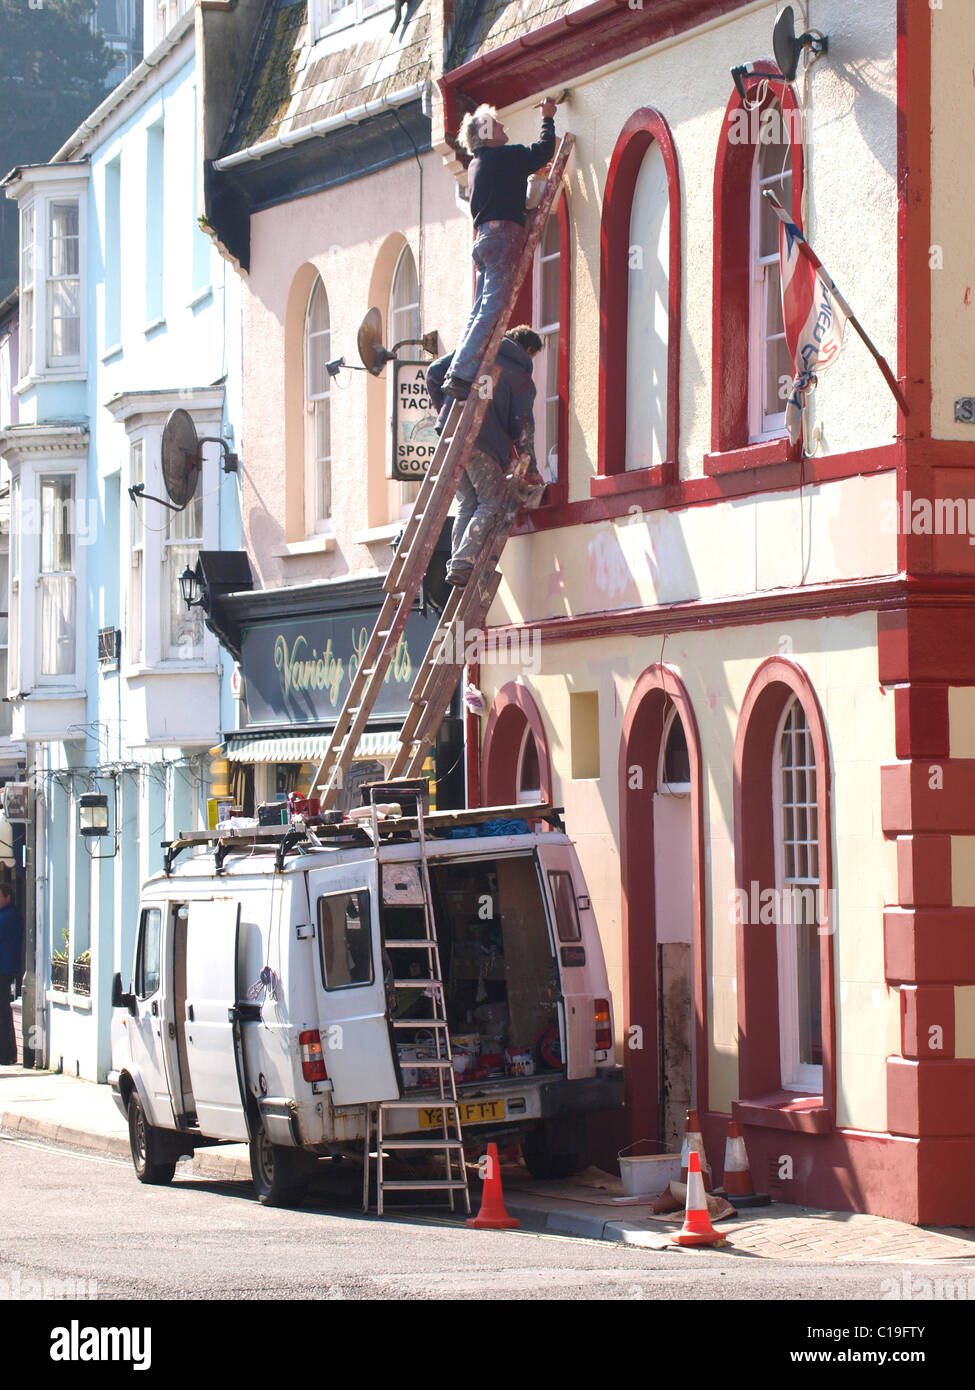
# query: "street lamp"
{"points": [[93, 814], [191, 588]]}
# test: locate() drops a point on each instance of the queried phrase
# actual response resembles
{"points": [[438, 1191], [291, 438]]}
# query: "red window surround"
{"points": [[763, 1101], [642, 127], [513, 709], [557, 493], [730, 447]]}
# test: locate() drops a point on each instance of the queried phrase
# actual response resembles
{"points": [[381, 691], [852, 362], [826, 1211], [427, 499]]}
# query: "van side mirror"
{"points": [[121, 1000]]}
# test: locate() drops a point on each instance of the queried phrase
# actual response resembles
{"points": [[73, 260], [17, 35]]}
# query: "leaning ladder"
{"points": [[412, 559], [446, 1139]]}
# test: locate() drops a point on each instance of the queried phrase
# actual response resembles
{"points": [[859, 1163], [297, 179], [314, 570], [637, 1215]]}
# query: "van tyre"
{"points": [[147, 1144], [546, 1158], [279, 1174]]}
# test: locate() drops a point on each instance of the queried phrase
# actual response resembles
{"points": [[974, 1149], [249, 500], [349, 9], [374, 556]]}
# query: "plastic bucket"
{"points": [[648, 1175]]}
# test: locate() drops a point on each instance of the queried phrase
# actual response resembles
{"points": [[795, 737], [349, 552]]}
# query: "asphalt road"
{"points": [[71, 1216]]}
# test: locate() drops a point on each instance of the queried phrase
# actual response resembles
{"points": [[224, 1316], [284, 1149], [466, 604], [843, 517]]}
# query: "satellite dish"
{"points": [[180, 458], [787, 47], [370, 343]]}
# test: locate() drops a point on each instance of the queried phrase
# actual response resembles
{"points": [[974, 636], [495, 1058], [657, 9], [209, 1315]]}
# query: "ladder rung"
{"points": [[403, 945], [418, 984], [422, 1143], [419, 1023], [419, 1185], [442, 1062]]}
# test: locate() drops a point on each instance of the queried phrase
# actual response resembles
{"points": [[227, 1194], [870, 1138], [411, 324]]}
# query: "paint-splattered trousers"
{"points": [[496, 249], [480, 496]]}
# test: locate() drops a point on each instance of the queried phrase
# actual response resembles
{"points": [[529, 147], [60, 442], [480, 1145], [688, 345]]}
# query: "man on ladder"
{"points": [[508, 429], [497, 180]]}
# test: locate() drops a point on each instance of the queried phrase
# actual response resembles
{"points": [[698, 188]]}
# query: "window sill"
{"points": [[51, 692], [201, 297], [612, 484], [379, 535], [758, 455], [314, 545], [81, 1002], [153, 327], [47, 378], [788, 1110], [172, 667], [111, 354]]}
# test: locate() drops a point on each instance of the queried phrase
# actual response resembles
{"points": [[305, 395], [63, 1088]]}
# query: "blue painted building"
{"points": [[126, 312]]}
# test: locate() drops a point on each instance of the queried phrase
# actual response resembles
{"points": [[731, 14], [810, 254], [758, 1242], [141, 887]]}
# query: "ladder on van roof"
{"points": [[467, 607], [437, 1109]]}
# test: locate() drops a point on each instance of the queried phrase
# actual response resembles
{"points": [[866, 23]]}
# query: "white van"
{"points": [[263, 1006]]}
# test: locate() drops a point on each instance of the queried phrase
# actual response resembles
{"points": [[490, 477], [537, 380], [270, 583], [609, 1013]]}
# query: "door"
{"points": [[343, 904], [574, 926], [673, 871], [146, 1026], [213, 926]]}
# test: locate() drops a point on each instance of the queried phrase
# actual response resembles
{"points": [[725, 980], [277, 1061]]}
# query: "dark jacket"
{"points": [[498, 177], [510, 418], [11, 930]]}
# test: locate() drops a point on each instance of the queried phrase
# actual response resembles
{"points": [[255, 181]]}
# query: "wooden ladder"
{"points": [[415, 551]]}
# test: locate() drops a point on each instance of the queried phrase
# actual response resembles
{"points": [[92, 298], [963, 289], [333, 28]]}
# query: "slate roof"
{"points": [[491, 23], [279, 95]]}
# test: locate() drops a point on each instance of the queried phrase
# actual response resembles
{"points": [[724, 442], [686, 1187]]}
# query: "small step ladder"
{"points": [[447, 1140], [412, 559]]}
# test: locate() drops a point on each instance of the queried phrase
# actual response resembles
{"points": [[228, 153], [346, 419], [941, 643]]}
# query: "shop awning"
{"points": [[302, 748]]}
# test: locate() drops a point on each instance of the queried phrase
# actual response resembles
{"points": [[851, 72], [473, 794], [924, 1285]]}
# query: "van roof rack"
{"points": [[293, 839]]}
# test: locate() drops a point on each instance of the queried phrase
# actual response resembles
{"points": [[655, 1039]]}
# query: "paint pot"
{"points": [[646, 1175]]}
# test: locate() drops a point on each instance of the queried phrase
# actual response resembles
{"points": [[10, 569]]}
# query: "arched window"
{"points": [[797, 899], [760, 147], [529, 779], [639, 310], [404, 322], [674, 771], [318, 442], [770, 366]]}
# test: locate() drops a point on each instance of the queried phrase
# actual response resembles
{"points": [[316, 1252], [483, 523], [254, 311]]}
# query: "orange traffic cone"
{"points": [[492, 1216], [694, 1143], [737, 1173], [697, 1228]]}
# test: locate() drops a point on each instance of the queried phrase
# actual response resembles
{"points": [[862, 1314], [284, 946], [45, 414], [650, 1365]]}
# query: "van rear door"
{"points": [[343, 905], [211, 1001], [579, 952]]}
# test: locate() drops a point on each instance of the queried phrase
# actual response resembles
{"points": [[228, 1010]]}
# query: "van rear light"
{"points": [[604, 1027], [312, 1061]]}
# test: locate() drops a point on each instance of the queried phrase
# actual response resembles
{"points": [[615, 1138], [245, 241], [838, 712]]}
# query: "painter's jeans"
{"points": [[496, 248], [480, 495]]}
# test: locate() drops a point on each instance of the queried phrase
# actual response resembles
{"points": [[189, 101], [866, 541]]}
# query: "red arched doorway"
{"points": [[515, 749], [657, 972]]}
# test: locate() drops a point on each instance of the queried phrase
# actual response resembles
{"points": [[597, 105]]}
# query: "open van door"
{"points": [[210, 1027], [343, 905], [577, 946]]}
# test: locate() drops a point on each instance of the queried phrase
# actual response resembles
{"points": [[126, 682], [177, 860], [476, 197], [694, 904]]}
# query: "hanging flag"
{"points": [[815, 315]]}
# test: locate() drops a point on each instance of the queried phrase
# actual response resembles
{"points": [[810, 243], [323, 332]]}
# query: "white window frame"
{"points": [[795, 1074], [66, 678], [763, 423], [546, 382], [35, 361], [326, 17], [14, 663], [315, 522], [166, 14], [527, 796], [134, 579], [664, 787]]}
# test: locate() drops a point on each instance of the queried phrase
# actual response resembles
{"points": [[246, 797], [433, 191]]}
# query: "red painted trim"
{"points": [[650, 495], [555, 53], [513, 708], [921, 721], [929, 636], [914, 20], [772, 685], [762, 455], [929, 945], [931, 1099], [924, 1009], [785, 1110], [731, 287], [924, 870], [556, 495], [928, 794], [643, 128], [640, 747], [472, 742]]}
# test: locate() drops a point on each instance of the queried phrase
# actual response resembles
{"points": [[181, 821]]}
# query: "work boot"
{"points": [[458, 577], [457, 387]]}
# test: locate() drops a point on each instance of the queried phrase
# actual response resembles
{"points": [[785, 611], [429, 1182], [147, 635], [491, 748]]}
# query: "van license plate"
{"points": [[472, 1112]]}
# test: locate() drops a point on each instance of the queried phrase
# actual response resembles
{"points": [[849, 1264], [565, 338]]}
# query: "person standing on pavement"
{"points": [[11, 931], [508, 430], [497, 179]]}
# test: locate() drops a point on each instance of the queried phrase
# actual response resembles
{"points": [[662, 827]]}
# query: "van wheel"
{"points": [[145, 1141], [278, 1173], [543, 1160]]}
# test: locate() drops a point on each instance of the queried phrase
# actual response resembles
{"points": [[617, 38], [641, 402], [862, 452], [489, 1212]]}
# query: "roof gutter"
{"points": [[345, 118], [118, 94]]}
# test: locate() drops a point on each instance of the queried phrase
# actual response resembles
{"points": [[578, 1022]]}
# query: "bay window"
{"points": [[182, 628], [56, 583], [135, 627], [63, 283], [51, 201]]}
